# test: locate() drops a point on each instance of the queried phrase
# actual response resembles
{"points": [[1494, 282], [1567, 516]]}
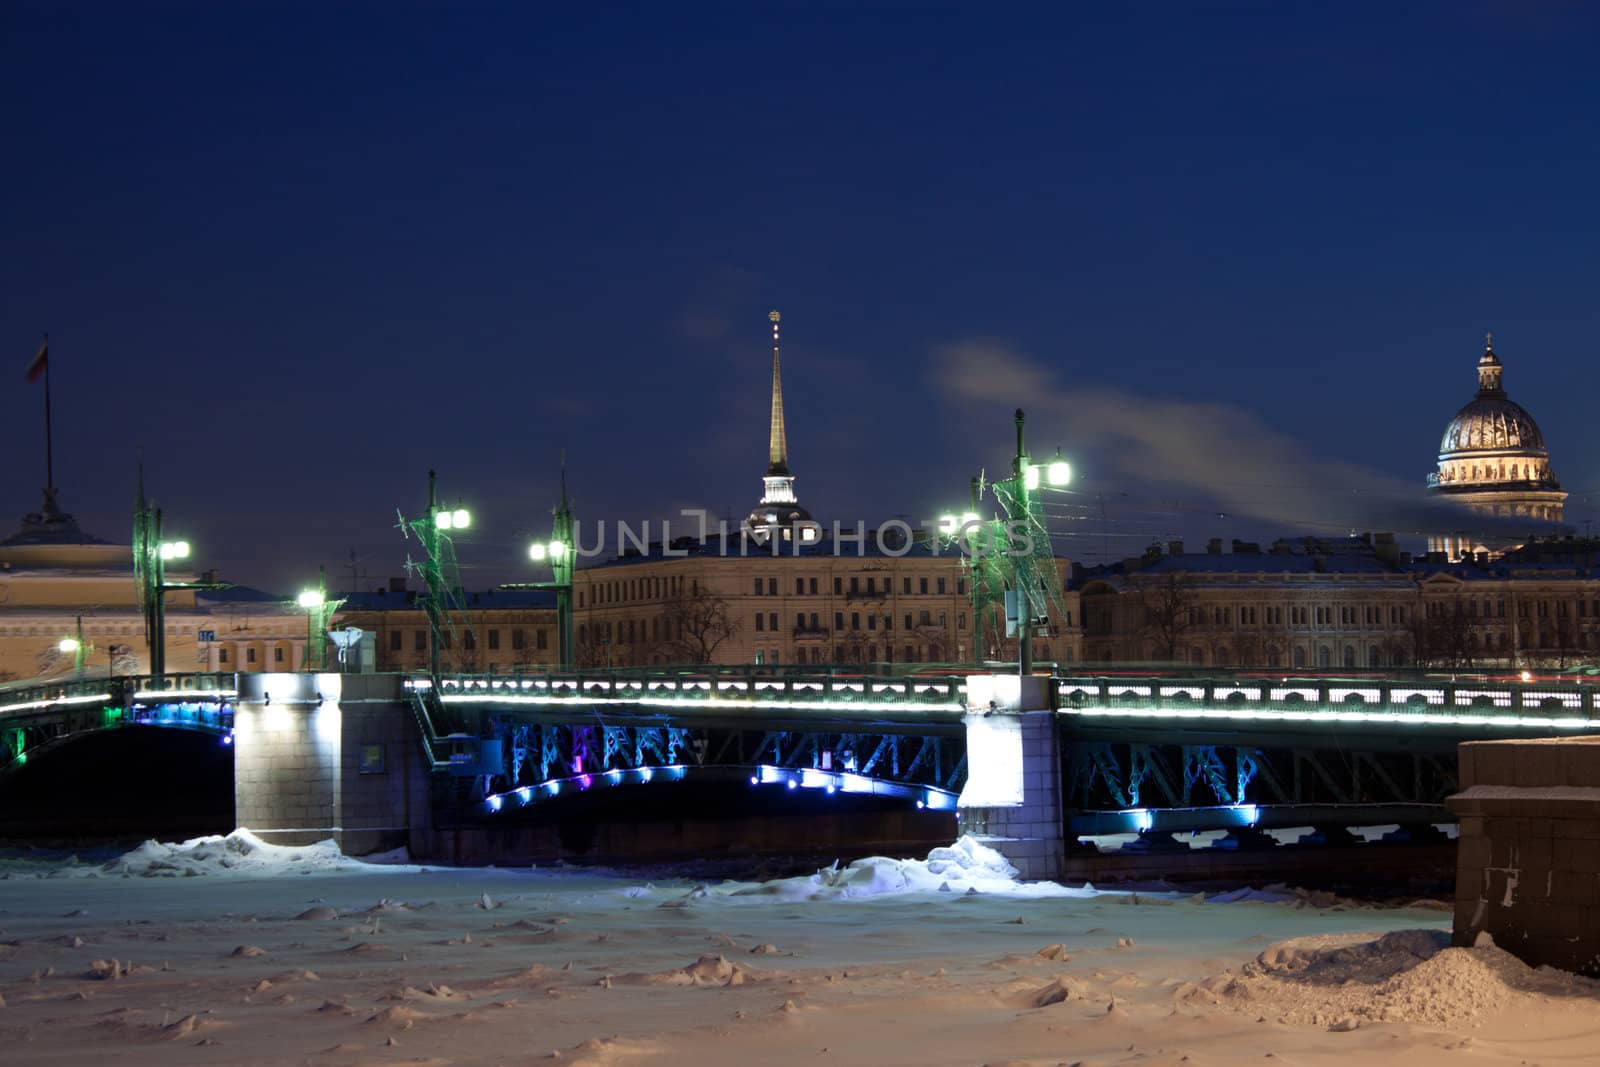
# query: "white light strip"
{"points": [[711, 702], [57, 702], [1248, 715], [185, 696]]}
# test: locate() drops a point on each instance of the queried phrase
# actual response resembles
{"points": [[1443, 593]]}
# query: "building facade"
{"points": [[826, 603], [58, 582], [500, 631], [1318, 604]]}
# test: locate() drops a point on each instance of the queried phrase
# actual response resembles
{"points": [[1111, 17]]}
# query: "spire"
{"points": [[777, 443]]}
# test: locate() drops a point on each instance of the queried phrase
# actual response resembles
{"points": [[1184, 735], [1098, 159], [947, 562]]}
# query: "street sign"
{"points": [[208, 635]]}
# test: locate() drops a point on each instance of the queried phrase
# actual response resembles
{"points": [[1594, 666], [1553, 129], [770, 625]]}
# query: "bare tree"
{"points": [[698, 622], [1443, 636], [1168, 603]]}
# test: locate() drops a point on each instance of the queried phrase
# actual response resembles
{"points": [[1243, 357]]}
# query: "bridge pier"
{"points": [[1012, 799], [320, 756]]}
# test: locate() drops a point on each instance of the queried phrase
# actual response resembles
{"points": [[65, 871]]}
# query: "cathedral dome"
{"points": [[1492, 425], [1492, 440]]}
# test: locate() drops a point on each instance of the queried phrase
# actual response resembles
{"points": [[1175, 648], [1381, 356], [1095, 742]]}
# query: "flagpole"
{"points": [[49, 454]]}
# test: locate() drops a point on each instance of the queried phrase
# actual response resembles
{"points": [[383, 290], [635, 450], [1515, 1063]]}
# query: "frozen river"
{"points": [[226, 951]]}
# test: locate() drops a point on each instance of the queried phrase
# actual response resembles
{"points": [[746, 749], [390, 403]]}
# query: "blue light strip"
{"points": [[928, 797]]}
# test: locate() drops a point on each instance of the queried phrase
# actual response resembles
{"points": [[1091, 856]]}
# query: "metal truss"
{"points": [[1119, 776], [542, 751]]}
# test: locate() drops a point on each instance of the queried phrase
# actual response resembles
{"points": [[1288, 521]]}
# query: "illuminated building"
{"points": [[498, 631], [57, 582], [824, 605], [1493, 462]]}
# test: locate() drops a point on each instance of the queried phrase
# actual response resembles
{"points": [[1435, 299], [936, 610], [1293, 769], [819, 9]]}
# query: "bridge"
{"points": [[1104, 755]]}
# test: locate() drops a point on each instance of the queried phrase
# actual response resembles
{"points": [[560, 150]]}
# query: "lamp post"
{"points": [[559, 552], [1017, 496], [434, 530], [77, 647], [319, 610], [151, 554]]}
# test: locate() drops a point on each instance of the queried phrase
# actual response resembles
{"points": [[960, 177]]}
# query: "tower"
{"points": [[779, 509]]}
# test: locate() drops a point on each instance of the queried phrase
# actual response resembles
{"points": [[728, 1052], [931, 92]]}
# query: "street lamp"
{"points": [[434, 530], [151, 554], [76, 647], [319, 609], [558, 553]]}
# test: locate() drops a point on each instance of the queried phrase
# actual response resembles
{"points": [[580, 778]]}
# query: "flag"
{"points": [[40, 361]]}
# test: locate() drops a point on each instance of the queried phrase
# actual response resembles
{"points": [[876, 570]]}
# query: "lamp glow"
{"points": [[442, 520], [1059, 472], [174, 550], [968, 518], [948, 524], [462, 518], [557, 550], [1030, 477], [68, 644], [536, 552], [311, 598]]}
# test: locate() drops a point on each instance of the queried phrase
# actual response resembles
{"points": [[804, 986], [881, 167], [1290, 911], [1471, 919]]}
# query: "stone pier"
{"points": [[1012, 799], [320, 756], [1528, 858]]}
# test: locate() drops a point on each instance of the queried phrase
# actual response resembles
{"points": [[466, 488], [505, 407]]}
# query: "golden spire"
{"points": [[777, 442]]}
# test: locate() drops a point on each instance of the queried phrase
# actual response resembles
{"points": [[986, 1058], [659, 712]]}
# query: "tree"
{"points": [[697, 623], [1168, 603]]}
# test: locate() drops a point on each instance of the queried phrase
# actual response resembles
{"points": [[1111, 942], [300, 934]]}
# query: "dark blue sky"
{"points": [[300, 254]]}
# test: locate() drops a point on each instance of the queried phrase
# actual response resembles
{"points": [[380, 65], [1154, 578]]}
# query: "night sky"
{"points": [[1234, 259]]}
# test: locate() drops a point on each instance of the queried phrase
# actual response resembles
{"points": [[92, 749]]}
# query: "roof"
{"points": [[736, 547], [485, 600]]}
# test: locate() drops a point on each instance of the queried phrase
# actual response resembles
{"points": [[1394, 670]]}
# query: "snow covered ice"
{"points": [[231, 950]]}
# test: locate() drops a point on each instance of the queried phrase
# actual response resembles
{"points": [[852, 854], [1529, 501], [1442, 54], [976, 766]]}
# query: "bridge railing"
{"points": [[730, 686], [1565, 702]]}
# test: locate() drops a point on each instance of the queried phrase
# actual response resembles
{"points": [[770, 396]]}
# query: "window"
{"points": [[838, 585], [872, 622], [469, 640], [888, 622], [922, 586], [222, 655], [494, 640], [941, 587], [961, 621], [871, 585], [814, 625], [772, 621], [905, 586], [800, 620], [758, 587], [277, 654], [541, 639], [760, 620], [923, 618], [838, 620], [855, 620], [772, 587], [420, 641], [908, 620], [250, 655], [813, 585], [394, 640], [961, 587], [800, 586], [853, 586]]}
